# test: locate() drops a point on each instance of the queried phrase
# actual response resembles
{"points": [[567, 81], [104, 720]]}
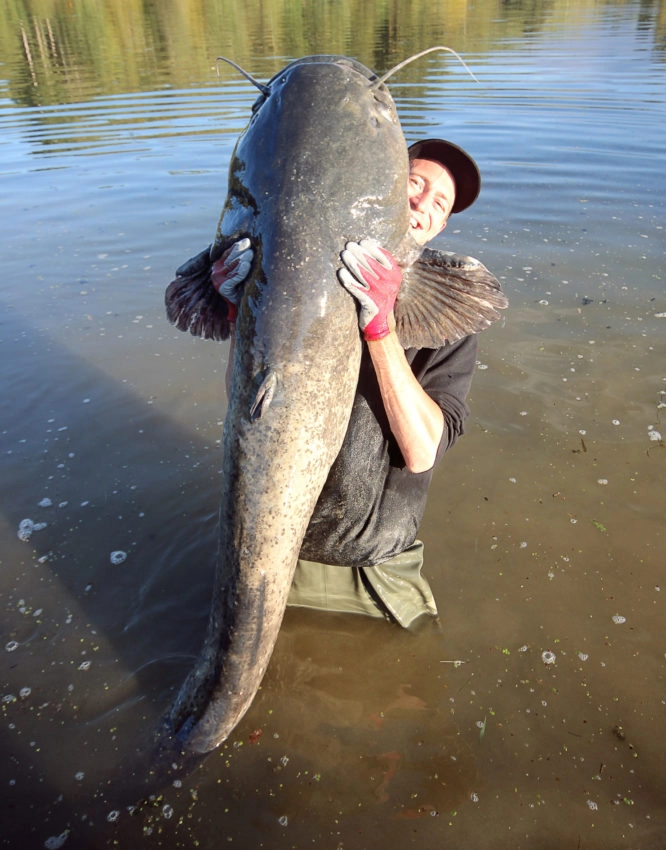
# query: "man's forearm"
{"points": [[417, 422]]}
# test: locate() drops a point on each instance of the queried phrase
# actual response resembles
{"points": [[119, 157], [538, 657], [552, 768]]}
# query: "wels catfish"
{"points": [[322, 161]]}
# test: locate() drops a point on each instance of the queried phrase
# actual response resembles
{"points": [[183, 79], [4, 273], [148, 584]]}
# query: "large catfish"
{"points": [[323, 160]]}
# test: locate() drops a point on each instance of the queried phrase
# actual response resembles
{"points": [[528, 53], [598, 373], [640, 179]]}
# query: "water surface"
{"points": [[532, 719]]}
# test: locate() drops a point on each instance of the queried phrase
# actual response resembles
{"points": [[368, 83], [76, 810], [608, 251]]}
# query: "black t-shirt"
{"points": [[371, 505]]}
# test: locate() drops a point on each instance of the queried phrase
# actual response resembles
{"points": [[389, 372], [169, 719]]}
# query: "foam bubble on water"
{"points": [[27, 528], [56, 841], [118, 557], [618, 619], [45, 503], [548, 657]]}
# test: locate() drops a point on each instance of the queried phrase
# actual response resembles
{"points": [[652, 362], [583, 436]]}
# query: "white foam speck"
{"points": [[56, 841], [27, 527]]}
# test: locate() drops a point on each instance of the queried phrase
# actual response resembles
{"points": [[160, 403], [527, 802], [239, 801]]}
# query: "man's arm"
{"points": [[373, 277], [416, 420]]}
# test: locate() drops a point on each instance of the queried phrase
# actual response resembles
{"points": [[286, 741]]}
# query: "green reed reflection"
{"points": [[61, 51]]}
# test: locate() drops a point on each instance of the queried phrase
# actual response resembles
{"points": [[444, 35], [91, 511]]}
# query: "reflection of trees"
{"points": [[59, 51]]}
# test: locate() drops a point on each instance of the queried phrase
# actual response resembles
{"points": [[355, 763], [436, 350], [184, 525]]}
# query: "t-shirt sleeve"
{"points": [[446, 375]]}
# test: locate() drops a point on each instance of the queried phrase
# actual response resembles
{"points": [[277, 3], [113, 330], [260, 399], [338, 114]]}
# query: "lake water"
{"points": [[534, 718]]}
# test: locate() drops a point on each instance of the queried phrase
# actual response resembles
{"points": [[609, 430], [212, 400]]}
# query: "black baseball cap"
{"points": [[464, 170]]}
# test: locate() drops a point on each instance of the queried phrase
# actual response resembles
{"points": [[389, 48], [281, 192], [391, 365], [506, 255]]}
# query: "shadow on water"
{"points": [[106, 604]]}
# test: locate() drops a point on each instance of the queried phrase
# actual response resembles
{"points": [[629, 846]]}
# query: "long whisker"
{"points": [[402, 64], [262, 88]]}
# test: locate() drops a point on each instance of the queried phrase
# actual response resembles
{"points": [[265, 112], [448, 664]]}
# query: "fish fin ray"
{"points": [[192, 304], [445, 297], [264, 396]]}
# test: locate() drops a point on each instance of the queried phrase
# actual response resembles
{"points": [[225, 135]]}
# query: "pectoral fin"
{"points": [[444, 297], [192, 304]]}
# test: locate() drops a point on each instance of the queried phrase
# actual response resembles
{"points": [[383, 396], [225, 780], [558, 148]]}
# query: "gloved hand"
{"points": [[229, 272], [373, 277]]}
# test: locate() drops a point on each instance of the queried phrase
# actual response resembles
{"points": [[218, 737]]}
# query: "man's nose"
{"points": [[418, 202]]}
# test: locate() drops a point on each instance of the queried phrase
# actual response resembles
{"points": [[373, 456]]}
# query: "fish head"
{"points": [[324, 140]]}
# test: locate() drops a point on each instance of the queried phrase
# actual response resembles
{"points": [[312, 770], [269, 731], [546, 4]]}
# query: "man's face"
{"points": [[431, 193]]}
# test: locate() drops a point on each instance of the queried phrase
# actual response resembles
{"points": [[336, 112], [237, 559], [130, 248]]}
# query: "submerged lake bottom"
{"points": [[525, 717]]}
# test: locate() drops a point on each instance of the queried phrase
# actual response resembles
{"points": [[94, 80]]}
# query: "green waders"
{"points": [[394, 590]]}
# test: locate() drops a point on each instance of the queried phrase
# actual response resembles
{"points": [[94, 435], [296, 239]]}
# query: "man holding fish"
{"points": [[360, 553]]}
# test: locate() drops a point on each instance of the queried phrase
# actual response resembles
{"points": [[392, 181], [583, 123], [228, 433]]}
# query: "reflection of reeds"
{"points": [[45, 42], [28, 55], [124, 46]]}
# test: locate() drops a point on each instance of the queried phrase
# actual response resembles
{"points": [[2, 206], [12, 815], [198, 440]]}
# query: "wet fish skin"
{"points": [[322, 161]]}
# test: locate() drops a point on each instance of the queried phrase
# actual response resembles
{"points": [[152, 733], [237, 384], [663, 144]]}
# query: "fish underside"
{"points": [[322, 161]]}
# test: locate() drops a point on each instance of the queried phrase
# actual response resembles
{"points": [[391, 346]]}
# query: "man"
{"points": [[359, 553]]}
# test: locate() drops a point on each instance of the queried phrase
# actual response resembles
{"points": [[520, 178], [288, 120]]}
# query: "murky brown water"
{"points": [[532, 717]]}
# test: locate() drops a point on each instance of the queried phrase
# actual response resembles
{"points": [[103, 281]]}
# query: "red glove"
{"points": [[229, 273], [373, 277]]}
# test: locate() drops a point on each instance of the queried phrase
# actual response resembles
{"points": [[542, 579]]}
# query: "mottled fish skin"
{"points": [[322, 161]]}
